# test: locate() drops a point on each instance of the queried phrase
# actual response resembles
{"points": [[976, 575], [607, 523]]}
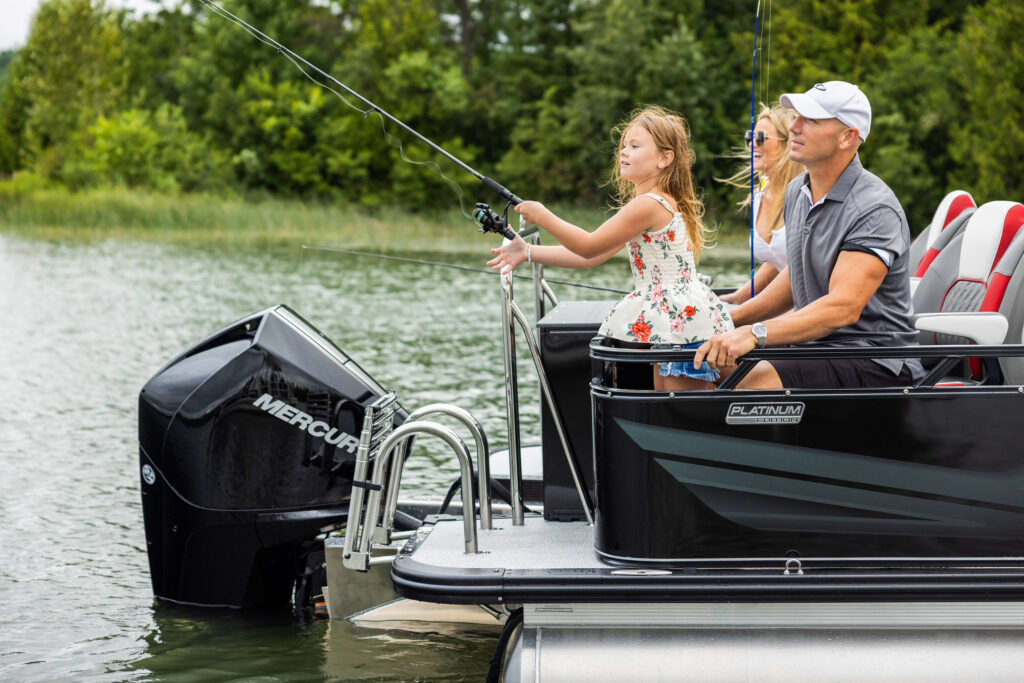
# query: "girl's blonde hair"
{"points": [[671, 134], [784, 169]]}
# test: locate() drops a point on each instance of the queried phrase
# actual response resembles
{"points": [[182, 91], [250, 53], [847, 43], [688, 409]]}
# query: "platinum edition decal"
{"points": [[787, 413], [305, 422]]}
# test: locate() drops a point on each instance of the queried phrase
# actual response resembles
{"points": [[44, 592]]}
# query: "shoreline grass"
{"points": [[56, 214]]}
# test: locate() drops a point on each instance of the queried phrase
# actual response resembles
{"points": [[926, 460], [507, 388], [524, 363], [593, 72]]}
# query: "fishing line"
{"points": [[372, 108], [753, 121], [768, 56], [486, 271]]}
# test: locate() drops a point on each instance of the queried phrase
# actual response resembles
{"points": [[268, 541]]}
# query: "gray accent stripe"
{"points": [[740, 497], [1001, 488]]}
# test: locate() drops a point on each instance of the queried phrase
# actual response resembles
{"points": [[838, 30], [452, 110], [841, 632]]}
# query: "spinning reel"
{"points": [[492, 222]]}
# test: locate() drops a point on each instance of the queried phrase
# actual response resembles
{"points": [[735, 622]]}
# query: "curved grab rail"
{"points": [[483, 465], [356, 554]]}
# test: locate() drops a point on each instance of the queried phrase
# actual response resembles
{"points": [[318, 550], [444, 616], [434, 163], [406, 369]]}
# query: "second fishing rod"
{"points": [[489, 220]]}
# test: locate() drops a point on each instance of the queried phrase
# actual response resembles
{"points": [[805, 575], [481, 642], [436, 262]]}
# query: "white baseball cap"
{"points": [[833, 100]]}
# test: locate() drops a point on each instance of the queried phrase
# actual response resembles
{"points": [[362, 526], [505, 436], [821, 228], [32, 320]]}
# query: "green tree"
{"points": [[153, 150], [989, 142], [69, 73], [916, 105], [565, 151]]}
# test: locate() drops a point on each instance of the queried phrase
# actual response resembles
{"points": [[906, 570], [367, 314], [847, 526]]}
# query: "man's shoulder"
{"points": [[870, 193], [871, 187]]}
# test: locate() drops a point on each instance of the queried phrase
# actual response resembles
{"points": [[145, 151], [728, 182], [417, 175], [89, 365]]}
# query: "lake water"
{"points": [[86, 324]]}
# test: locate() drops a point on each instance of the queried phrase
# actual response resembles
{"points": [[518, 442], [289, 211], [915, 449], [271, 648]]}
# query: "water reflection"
{"points": [[85, 326]]}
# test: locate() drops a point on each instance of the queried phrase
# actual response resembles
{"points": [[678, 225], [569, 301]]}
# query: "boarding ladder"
{"points": [[385, 447]]}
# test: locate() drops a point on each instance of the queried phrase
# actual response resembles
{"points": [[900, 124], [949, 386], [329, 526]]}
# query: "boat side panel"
{"points": [[743, 474]]}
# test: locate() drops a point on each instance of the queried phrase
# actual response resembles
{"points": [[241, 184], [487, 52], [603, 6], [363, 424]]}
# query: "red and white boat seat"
{"points": [[949, 219], [970, 276]]}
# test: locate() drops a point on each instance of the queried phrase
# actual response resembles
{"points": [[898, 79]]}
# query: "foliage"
{"points": [[69, 73], [154, 150], [990, 142], [526, 91]]}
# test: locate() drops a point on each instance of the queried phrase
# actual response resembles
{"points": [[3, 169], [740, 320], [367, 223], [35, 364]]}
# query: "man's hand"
{"points": [[722, 350]]}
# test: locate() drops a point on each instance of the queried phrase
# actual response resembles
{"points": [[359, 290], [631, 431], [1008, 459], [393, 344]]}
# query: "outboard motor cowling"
{"points": [[247, 444]]}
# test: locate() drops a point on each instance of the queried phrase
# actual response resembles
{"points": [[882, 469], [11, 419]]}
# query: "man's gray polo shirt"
{"points": [[859, 213]]}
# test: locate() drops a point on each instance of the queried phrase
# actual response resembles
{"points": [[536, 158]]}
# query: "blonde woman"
{"points": [[771, 145]]}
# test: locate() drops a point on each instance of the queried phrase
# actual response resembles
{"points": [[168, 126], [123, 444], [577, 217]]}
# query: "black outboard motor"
{"points": [[247, 445]]}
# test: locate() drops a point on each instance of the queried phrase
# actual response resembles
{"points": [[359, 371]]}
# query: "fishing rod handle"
{"points": [[501, 191]]}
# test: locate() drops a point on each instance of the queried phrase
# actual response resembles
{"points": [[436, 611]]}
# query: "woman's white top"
{"points": [[773, 251]]}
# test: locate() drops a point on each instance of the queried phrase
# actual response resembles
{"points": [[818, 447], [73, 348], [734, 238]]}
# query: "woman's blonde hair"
{"points": [[784, 169], [671, 134]]}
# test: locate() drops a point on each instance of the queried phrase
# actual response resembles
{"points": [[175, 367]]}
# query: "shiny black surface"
{"points": [[722, 581], [563, 337], [262, 417], [922, 475]]}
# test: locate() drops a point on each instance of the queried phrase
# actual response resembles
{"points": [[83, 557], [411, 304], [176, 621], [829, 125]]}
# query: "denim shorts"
{"points": [[706, 373]]}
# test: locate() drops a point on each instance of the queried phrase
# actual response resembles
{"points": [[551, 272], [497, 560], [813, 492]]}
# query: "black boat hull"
{"points": [[928, 474]]}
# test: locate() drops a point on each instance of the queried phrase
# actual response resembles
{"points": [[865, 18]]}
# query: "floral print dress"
{"points": [[669, 304]]}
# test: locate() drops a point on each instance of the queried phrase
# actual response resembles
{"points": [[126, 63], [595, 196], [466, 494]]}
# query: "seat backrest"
{"points": [[958, 278], [1006, 295], [949, 218]]}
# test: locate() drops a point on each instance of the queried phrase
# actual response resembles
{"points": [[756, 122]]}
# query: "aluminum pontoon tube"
{"points": [[483, 465], [508, 337], [769, 642]]}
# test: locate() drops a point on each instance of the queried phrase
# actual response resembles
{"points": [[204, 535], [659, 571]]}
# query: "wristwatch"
{"points": [[760, 333]]}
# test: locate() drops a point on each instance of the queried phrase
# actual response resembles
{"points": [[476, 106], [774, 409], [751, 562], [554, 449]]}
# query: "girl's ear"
{"points": [[665, 159]]}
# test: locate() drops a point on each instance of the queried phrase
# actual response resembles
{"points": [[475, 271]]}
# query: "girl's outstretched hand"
{"points": [[534, 212], [509, 256]]}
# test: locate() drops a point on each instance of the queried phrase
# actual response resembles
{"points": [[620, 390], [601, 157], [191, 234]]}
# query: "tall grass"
{"points": [[52, 213]]}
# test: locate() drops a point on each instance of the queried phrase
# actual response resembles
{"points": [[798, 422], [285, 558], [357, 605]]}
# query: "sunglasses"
{"points": [[759, 137]]}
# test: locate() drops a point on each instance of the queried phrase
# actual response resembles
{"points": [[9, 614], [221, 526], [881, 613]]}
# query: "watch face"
{"points": [[761, 333]]}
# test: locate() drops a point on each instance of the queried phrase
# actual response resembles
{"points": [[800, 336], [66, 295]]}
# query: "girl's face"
{"points": [[639, 157], [766, 155]]}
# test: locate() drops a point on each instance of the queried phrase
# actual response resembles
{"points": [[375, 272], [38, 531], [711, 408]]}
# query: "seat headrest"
{"points": [[987, 235], [951, 206]]}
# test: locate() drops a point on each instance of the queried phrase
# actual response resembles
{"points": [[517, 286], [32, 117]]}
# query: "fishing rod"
{"points": [[488, 219], [766, 82], [454, 266], [753, 122]]}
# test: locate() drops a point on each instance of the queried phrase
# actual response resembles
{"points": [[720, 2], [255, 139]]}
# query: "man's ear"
{"points": [[851, 138]]}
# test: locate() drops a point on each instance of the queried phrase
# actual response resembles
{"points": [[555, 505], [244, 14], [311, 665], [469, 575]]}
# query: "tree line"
{"points": [[526, 91]]}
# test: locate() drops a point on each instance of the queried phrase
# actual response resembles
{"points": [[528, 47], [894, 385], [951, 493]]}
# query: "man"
{"points": [[847, 240]]}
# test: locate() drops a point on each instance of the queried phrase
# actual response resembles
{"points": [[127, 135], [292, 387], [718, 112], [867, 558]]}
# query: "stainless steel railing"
{"points": [[512, 314], [378, 443]]}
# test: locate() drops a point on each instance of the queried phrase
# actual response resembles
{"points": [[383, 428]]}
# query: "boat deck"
{"points": [[548, 562], [537, 544]]}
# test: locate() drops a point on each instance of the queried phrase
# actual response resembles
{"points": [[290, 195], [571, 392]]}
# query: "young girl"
{"points": [[659, 220], [771, 145]]}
